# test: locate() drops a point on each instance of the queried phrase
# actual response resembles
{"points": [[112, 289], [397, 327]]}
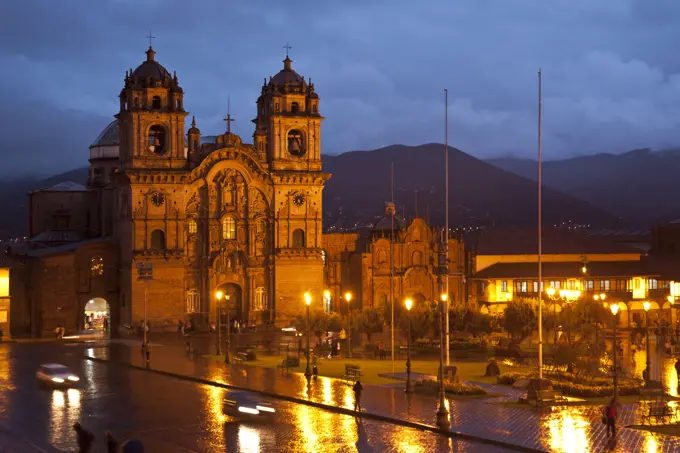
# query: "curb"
{"points": [[337, 409]]}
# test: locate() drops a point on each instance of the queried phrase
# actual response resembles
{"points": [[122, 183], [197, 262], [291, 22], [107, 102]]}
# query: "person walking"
{"points": [[84, 438], [111, 443], [358, 388], [609, 416], [677, 371]]}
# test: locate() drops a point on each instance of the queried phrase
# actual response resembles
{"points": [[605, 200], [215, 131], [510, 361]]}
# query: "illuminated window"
{"points": [[259, 302], [4, 282], [192, 302], [605, 285], [589, 285], [97, 266], [323, 256], [229, 228], [504, 286], [653, 283], [193, 227]]}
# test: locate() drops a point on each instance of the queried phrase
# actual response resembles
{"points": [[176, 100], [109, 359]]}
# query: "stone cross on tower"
{"points": [[150, 38], [229, 119], [287, 47]]}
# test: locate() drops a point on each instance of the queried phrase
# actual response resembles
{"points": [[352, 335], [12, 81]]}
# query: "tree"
{"points": [[480, 324], [424, 319], [368, 321], [319, 322], [387, 310], [519, 320]]}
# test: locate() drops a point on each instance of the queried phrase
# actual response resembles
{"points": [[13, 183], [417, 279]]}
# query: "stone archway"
{"points": [[97, 315], [235, 294]]}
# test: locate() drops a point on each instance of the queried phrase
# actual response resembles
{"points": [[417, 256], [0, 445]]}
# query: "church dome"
{"points": [[287, 75], [151, 68], [108, 137]]}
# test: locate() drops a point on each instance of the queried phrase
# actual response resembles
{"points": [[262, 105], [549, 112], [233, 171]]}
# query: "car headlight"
{"points": [[73, 378], [248, 410], [57, 380], [265, 409]]}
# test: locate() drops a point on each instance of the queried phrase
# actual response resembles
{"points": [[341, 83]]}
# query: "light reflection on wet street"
{"points": [[171, 415]]}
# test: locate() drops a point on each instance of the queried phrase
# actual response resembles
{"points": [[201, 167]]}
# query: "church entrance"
{"points": [[233, 293], [97, 315]]}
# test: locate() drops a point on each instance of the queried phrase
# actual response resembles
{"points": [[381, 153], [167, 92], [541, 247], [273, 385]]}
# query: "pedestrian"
{"points": [[111, 443], [84, 438], [677, 371], [609, 416], [180, 328], [148, 352], [358, 388], [381, 350], [315, 365]]}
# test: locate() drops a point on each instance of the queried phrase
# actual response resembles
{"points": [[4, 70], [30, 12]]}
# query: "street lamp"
{"points": [[227, 297], [308, 372], [409, 304], [646, 305], [218, 295], [348, 298], [615, 309], [442, 413]]}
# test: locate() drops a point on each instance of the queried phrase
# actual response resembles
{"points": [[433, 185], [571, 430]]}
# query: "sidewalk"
{"points": [[566, 429]]}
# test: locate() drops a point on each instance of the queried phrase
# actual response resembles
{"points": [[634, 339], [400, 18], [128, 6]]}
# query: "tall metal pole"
{"points": [[616, 354], [393, 213], [446, 222], [649, 361], [442, 413], [145, 319], [408, 353], [349, 331], [219, 331], [227, 297], [540, 236], [308, 372]]}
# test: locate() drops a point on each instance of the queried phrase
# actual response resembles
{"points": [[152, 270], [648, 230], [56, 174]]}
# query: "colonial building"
{"points": [[395, 259], [575, 267], [206, 214]]}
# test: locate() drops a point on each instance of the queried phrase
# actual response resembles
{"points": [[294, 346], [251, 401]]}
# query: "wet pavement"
{"points": [[560, 429], [172, 415]]}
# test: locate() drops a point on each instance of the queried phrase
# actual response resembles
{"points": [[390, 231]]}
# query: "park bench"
{"points": [[352, 372], [647, 395], [288, 363], [661, 412], [548, 396]]}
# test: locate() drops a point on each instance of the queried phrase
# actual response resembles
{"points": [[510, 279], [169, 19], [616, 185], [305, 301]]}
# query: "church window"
{"points": [[192, 302], [313, 108], [382, 300], [415, 235], [97, 266], [229, 228], [261, 226], [156, 102], [276, 107], [298, 239], [156, 139], [382, 257], [157, 240], [417, 258], [136, 101], [193, 227], [296, 143], [295, 107], [259, 302]]}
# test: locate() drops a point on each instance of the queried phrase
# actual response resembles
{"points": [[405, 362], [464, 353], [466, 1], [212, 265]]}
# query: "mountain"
{"points": [[638, 186], [480, 194]]}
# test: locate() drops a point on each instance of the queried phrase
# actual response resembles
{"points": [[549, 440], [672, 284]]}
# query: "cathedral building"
{"points": [[206, 214]]}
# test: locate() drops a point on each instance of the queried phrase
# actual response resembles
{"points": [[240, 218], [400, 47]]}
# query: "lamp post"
{"points": [[227, 297], [308, 372], [219, 295], [551, 294], [348, 298], [615, 309], [442, 413], [648, 370], [409, 304]]}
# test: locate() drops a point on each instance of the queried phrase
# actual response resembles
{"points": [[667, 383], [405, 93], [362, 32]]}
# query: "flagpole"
{"points": [[540, 231], [446, 222], [393, 214]]}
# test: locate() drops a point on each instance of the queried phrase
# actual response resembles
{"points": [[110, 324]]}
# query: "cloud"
{"points": [[611, 76]]}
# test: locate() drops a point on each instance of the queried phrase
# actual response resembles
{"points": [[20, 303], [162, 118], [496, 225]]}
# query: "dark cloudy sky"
{"points": [[611, 70]]}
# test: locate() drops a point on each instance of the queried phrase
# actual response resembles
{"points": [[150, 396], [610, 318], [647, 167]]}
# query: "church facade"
{"points": [[207, 214]]}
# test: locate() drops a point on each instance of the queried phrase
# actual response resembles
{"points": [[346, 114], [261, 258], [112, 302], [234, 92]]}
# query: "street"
{"points": [[172, 415]]}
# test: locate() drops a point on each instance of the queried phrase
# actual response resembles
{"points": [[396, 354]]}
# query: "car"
{"points": [[246, 405], [56, 375]]}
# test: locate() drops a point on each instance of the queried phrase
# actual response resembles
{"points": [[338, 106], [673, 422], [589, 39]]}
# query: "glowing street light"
{"points": [[646, 305], [615, 309], [219, 295], [348, 298], [409, 304], [442, 413]]}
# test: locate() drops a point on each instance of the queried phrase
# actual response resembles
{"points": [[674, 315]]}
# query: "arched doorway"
{"points": [[97, 315], [233, 292]]}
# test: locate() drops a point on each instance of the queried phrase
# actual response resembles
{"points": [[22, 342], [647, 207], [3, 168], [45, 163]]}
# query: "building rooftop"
{"points": [[108, 137], [596, 269]]}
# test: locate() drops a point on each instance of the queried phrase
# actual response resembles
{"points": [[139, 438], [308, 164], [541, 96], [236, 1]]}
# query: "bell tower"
{"points": [[288, 123], [151, 118]]}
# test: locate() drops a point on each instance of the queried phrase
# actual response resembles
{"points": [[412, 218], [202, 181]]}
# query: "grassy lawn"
{"points": [[371, 368]]}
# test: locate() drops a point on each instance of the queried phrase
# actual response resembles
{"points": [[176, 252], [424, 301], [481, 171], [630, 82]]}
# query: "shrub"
{"points": [[454, 388], [512, 377]]}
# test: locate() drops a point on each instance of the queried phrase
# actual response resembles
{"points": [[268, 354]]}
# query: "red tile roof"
{"points": [[596, 269]]}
